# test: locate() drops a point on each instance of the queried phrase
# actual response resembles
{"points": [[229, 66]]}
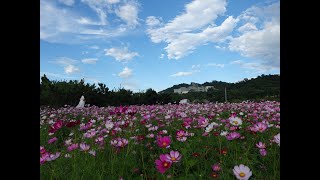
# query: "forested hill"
{"points": [[264, 83]]}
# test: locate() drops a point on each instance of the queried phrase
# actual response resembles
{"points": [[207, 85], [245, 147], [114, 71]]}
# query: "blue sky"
{"points": [[140, 44]]}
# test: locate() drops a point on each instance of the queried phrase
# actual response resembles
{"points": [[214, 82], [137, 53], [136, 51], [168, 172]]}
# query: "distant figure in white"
{"points": [[81, 103]]}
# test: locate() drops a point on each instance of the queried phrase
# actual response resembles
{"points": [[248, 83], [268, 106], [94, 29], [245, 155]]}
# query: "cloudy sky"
{"points": [[140, 44]]}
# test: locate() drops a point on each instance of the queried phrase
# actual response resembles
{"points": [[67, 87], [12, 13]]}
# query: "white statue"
{"points": [[81, 103]]}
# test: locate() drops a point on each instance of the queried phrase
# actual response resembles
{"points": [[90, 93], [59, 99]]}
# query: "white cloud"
{"points": [[121, 54], [67, 25], [247, 27], [55, 75], [161, 56], [257, 67], [260, 43], [94, 47], [129, 13], [153, 21], [89, 60], [67, 2], [182, 74], [69, 69], [197, 14], [215, 65], [185, 43], [113, 1], [125, 73], [68, 64], [93, 80], [192, 28], [195, 66], [87, 21], [100, 8], [132, 85]]}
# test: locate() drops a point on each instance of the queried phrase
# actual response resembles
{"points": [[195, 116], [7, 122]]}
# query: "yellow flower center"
{"points": [[173, 158], [165, 164], [164, 143], [235, 122], [242, 174]]}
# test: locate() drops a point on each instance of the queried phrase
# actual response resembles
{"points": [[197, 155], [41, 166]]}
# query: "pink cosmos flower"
{"points": [[99, 140], [92, 152], [242, 172], [162, 165], [150, 135], [164, 142], [216, 167], [203, 122], [233, 135], [53, 156], [119, 142], [276, 139], [73, 147], [261, 145], [259, 127], [263, 152], [84, 147], [44, 157], [181, 135], [52, 140], [174, 156]]}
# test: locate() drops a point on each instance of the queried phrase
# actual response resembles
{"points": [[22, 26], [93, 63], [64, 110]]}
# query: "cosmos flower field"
{"points": [[186, 141]]}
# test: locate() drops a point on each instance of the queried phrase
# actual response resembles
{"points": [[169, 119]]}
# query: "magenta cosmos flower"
{"points": [[52, 140], [73, 147], [163, 164], [263, 152], [174, 156], [260, 127], [242, 172], [233, 135], [216, 167], [164, 142]]}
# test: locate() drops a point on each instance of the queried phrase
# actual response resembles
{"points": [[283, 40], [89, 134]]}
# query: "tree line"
{"points": [[60, 93]]}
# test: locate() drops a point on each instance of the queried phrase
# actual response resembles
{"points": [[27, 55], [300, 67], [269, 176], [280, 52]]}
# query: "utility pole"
{"points": [[225, 94]]}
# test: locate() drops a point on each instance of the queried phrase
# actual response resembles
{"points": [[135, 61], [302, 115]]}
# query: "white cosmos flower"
{"points": [[235, 121]]}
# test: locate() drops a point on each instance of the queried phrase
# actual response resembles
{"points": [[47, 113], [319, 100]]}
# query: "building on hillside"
{"points": [[184, 101], [193, 88]]}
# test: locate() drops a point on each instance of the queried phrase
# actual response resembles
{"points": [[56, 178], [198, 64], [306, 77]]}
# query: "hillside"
{"points": [[269, 84]]}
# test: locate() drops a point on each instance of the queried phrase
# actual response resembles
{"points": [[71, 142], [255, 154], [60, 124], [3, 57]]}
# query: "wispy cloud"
{"points": [[89, 60], [257, 67], [56, 75], [121, 54], [178, 74], [161, 56], [215, 65], [125, 73], [67, 2], [68, 64], [129, 13], [94, 47], [67, 25]]}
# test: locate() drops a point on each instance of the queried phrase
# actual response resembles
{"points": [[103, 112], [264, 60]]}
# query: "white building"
{"points": [[193, 88]]}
